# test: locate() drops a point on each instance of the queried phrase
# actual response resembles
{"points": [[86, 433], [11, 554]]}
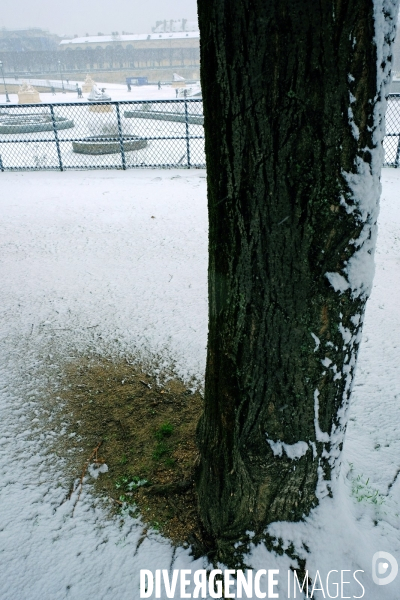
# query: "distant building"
{"points": [[155, 55], [137, 51], [27, 40], [28, 50], [177, 25]]}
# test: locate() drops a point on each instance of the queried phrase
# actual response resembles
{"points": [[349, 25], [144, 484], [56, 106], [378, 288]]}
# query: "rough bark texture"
{"points": [[278, 79]]}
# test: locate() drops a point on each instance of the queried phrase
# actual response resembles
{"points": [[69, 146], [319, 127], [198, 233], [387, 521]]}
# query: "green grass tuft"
{"points": [[165, 430]]}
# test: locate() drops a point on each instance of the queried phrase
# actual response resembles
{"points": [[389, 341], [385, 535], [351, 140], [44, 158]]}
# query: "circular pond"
{"points": [[31, 122], [100, 144]]}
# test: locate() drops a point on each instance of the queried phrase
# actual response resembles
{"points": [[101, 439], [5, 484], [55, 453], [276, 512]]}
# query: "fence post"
{"points": [[1, 165], [121, 141], [397, 159], [56, 137], [187, 135]]}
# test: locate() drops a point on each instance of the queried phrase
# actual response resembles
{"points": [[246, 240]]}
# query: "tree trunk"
{"points": [[293, 118]]}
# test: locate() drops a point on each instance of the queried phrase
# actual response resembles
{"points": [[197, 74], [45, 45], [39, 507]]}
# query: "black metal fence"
{"points": [[391, 142], [123, 135], [102, 135]]}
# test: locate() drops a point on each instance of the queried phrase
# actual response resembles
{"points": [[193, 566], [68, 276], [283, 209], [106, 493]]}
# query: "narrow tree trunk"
{"points": [[292, 105]]}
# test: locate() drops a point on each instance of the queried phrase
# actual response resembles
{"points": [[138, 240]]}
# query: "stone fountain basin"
{"points": [[101, 144], [158, 115], [31, 123]]}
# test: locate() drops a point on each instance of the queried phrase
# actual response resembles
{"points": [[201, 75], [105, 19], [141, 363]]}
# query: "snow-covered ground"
{"points": [[115, 262], [117, 91]]}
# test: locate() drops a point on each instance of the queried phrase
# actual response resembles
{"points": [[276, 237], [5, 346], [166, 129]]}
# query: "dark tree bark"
{"points": [[293, 110]]}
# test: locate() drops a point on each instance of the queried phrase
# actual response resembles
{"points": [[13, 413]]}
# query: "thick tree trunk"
{"points": [[292, 103]]}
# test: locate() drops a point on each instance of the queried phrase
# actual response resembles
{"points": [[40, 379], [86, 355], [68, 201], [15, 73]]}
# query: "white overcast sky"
{"points": [[91, 16]]}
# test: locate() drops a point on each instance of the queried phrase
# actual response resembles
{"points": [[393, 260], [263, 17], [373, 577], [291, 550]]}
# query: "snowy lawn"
{"points": [[115, 263], [117, 91]]}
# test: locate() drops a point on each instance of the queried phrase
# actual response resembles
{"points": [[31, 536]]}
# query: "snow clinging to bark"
{"points": [[363, 184], [292, 451], [316, 340], [321, 436]]}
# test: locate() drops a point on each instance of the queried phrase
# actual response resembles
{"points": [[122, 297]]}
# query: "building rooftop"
{"points": [[101, 39]]}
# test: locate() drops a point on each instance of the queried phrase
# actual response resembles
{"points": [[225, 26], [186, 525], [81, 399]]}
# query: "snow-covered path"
{"points": [[115, 262]]}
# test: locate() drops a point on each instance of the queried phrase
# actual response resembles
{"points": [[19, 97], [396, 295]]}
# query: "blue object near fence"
{"points": [[136, 81]]}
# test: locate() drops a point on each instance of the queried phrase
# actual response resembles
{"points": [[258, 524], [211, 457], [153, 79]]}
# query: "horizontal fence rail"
{"points": [[102, 135], [123, 135]]}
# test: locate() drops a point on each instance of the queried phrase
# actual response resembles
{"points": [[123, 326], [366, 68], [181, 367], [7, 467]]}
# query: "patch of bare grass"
{"points": [[147, 433]]}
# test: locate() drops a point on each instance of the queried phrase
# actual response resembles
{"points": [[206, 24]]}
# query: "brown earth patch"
{"points": [[146, 430]]}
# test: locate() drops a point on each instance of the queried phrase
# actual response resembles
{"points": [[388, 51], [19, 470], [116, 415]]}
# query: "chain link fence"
{"points": [[123, 135], [391, 142], [102, 135]]}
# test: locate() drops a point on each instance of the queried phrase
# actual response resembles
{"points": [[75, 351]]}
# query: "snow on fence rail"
{"points": [[123, 135], [102, 135]]}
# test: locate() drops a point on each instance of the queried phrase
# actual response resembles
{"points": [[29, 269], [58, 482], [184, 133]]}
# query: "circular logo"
{"points": [[384, 568]]}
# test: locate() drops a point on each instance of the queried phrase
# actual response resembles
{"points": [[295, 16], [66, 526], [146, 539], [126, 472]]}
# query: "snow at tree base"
{"points": [[83, 250]]}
